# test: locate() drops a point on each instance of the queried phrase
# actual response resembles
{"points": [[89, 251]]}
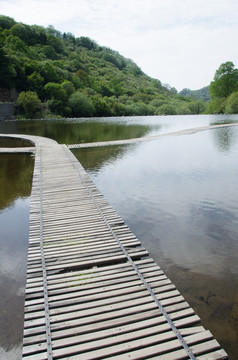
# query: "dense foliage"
{"points": [[201, 94], [72, 77], [224, 90]]}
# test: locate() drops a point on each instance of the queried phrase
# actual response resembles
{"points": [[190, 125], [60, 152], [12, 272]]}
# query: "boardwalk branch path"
{"points": [[92, 290]]}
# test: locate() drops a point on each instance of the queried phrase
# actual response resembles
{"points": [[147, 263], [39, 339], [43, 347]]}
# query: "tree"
{"points": [[157, 84], [101, 107], [232, 103], [52, 31], [56, 42], [171, 89], [35, 83], [104, 89], [117, 86], [7, 72], [55, 91], [225, 80], [24, 32], [49, 73], [216, 106], [197, 106], [166, 109], [83, 77], [58, 107], [81, 105], [28, 104], [6, 22], [50, 52], [68, 87], [86, 42], [41, 34], [16, 44]]}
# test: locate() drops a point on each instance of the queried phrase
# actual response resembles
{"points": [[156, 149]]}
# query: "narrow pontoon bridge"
{"points": [[92, 290]]}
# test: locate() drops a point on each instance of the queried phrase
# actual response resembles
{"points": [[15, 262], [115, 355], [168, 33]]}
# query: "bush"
{"points": [[86, 42], [166, 109], [232, 103], [197, 107], [68, 87], [58, 107], [81, 105], [6, 22], [101, 107], [28, 104], [55, 91], [35, 83], [216, 106]]}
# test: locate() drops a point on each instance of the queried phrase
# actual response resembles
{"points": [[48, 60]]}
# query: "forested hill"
{"points": [[203, 93], [57, 73]]}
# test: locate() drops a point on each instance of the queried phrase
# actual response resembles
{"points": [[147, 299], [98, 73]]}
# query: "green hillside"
{"points": [[202, 94], [57, 73]]}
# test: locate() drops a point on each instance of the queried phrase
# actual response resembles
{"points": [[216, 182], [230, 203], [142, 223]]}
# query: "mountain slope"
{"points": [[70, 76], [202, 94]]}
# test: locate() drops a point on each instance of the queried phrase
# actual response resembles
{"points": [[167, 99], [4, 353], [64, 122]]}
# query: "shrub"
{"points": [[166, 109], [80, 105], [232, 103], [28, 104]]}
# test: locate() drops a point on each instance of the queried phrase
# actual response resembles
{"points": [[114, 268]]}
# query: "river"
{"points": [[178, 195]]}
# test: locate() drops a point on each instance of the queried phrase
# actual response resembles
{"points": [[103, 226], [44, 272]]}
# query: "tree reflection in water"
{"points": [[15, 188]]}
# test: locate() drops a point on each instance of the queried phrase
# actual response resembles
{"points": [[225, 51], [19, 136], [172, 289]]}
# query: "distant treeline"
{"points": [[222, 94], [202, 94]]}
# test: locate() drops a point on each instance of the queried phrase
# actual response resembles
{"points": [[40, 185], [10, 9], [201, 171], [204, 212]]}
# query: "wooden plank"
{"points": [[142, 349], [215, 355], [111, 345], [77, 344], [103, 325], [83, 283], [36, 356], [148, 346], [203, 348], [92, 276], [94, 280]]}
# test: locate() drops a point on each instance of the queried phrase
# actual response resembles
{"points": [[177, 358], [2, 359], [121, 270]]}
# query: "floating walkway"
{"points": [[149, 138], [92, 290]]}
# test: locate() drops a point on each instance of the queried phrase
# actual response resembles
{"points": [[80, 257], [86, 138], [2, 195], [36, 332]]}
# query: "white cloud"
{"points": [[180, 42]]}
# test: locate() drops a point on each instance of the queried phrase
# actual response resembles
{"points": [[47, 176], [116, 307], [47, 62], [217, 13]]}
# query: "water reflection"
{"points": [[13, 142], [15, 177], [179, 196], [94, 158], [224, 138], [75, 131], [15, 187]]}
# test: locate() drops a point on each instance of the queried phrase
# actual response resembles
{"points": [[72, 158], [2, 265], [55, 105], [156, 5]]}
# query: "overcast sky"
{"points": [[179, 42]]}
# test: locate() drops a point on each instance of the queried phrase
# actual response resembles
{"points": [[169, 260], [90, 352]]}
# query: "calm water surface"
{"points": [[179, 196], [15, 187], [75, 131], [11, 142]]}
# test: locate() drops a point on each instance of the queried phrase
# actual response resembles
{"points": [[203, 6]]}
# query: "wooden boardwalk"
{"points": [[92, 290], [150, 137]]}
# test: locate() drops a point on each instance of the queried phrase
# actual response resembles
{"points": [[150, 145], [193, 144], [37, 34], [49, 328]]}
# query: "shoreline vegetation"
{"points": [[49, 74]]}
